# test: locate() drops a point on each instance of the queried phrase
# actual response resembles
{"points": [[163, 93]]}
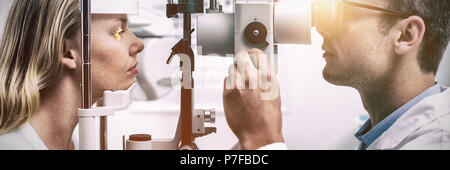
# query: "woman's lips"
{"points": [[134, 70]]}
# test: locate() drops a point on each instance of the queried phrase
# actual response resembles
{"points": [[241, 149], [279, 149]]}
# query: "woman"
{"points": [[40, 64]]}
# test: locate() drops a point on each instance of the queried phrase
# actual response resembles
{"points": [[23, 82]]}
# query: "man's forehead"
{"points": [[378, 3]]}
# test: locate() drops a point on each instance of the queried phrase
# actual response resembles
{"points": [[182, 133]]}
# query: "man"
{"points": [[390, 57]]}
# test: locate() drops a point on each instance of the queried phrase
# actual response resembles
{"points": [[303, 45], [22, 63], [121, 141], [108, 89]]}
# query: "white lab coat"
{"points": [[425, 126]]}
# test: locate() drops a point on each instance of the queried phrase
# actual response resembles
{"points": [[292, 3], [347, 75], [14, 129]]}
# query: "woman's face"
{"points": [[114, 54]]}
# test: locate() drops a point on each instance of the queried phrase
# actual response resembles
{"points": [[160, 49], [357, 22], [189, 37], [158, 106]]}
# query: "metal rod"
{"points": [[87, 137], [213, 4], [187, 30], [86, 54], [186, 94], [103, 133]]}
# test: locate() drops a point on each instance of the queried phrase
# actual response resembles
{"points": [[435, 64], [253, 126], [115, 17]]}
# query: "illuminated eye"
{"points": [[118, 34]]}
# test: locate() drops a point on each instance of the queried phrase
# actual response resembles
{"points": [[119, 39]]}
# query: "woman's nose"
{"points": [[137, 46]]}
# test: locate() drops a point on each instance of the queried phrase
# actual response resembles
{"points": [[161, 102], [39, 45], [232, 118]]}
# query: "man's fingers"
{"points": [[256, 51], [242, 74], [230, 81], [264, 67], [256, 55], [244, 62], [231, 70], [234, 79]]}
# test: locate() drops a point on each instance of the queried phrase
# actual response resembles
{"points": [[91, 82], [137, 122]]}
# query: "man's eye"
{"points": [[118, 34]]}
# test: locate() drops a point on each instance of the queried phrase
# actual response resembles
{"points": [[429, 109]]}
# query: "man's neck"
{"points": [[56, 117], [384, 98]]}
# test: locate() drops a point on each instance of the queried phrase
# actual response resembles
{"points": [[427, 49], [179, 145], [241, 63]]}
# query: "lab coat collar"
{"points": [[427, 110], [375, 132]]}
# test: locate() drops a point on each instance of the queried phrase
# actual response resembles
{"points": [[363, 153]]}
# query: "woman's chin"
{"points": [[130, 83]]}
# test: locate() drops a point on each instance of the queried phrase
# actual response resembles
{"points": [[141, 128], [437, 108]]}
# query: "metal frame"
{"points": [[372, 7], [86, 74], [183, 47]]}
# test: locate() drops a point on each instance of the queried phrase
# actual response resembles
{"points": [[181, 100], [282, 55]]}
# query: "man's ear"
{"points": [[71, 54], [410, 34]]}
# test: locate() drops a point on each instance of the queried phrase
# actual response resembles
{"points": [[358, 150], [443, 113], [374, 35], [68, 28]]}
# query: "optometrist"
{"points": [[388, 50]]}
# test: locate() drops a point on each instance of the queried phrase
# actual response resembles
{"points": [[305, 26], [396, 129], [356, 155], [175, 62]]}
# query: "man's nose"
{"points": [[323, 33]]}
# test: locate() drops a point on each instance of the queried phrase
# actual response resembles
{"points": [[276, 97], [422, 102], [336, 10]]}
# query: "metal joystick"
{"points": [[210, 115]]}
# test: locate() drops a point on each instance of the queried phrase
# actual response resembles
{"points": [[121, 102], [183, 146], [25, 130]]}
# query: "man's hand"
{"points": [[252, 101]]}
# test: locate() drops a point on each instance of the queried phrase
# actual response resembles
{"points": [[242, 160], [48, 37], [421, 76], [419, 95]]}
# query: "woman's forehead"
{"points": [[123, 18]]}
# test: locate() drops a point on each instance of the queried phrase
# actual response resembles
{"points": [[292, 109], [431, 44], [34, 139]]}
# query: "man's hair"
{"points": [[436, 14]]}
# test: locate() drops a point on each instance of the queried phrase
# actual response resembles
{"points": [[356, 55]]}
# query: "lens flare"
{"points": [[326, 15], [118, 34]]}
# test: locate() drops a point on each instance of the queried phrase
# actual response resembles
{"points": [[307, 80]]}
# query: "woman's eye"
{"points": [[118, 34]]}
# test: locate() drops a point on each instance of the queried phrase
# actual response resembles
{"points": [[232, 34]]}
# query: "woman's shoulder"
{"points": [[21, 138]]}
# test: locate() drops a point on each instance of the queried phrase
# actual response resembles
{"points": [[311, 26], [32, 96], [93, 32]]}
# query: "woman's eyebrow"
{"points": [[123, 20]]}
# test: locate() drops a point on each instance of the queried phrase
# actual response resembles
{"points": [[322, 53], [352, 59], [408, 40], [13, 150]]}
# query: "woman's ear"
{"points": [[410, 35], [71, 54]]}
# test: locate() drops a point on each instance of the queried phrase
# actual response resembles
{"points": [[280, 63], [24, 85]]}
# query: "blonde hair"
{"points": [[32, 43]]}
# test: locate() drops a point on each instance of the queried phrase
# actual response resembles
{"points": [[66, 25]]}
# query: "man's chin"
{"points": [[334, 77]]}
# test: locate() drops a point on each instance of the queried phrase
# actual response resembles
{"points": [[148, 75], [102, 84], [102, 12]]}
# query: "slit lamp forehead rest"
{"points": [[130, 7]]}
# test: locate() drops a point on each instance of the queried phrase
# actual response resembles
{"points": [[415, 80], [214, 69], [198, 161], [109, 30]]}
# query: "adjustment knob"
{"points": [[210, 116], [256, 33]]}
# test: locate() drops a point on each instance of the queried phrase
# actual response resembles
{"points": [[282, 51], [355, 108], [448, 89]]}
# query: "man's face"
{"points": [[358, 53]]}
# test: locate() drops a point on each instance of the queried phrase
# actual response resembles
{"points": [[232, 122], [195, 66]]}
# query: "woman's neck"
{"points": [[57, 117]]}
